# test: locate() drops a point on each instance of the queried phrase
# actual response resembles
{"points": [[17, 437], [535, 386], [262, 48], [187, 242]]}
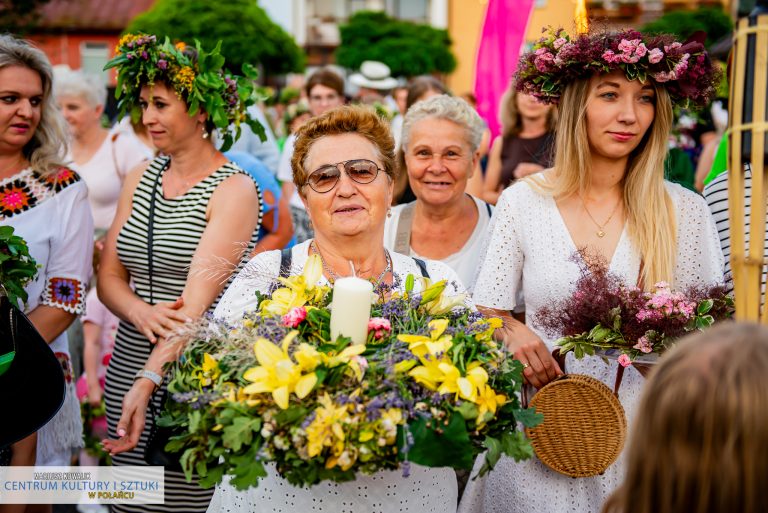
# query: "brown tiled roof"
{"points": [[91, 14]]}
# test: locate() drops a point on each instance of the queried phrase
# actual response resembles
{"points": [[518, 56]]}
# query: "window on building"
{"points": [[412, 10], [93, 57], [364, 5]]}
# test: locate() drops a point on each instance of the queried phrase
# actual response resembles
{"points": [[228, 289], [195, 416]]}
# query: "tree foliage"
{"points": [[16, 16], [713, 21], [408, 49], [246, 32]]}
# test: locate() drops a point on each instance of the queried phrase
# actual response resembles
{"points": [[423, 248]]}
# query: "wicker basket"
{"points": [[584, 426]]}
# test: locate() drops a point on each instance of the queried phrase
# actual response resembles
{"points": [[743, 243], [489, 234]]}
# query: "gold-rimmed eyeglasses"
{"points": [[325, 178]]}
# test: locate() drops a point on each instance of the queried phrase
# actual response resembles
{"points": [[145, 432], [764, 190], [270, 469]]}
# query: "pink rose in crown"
{"points": [[295, 316], [379, 326], [624, 360], [655, 56]]}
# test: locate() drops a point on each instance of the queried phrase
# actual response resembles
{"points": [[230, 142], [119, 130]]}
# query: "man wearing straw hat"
{"points": [[374, 82]]}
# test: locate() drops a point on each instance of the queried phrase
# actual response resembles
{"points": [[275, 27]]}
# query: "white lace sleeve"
{"points": [[699, 256], [501, 267], [257, 275]]}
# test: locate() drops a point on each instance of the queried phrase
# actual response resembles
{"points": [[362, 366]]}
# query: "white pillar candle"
{"points": [[351, 309]]}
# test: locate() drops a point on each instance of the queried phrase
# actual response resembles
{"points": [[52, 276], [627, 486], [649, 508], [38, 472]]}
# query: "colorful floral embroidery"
{"points": [[66, 366], [29, 188], [61, 179], [15, 197], [65, 293]]}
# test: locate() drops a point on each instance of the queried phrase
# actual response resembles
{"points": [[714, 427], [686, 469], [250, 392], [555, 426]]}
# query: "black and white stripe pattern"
{"points": [[178, 226], [716, 194]]}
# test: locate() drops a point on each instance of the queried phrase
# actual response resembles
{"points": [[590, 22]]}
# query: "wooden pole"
{"points": [[748, 128]]}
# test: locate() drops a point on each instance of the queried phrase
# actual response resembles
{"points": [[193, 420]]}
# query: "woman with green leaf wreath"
{"points": [[606, 194], [181, 229]]}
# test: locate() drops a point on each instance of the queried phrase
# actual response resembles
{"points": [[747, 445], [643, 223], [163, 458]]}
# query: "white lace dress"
{"points": [[529, 249], [425, 490]]}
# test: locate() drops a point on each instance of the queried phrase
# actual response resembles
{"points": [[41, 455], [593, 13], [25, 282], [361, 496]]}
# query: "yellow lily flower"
{"points": [[345, 356], [326, 430], [487, 402], [463, 386], [435, 300], [429, 374], [277, 373], [209, 372], [298, 291], [435, 343], [444, 304], [494, 323], [404, 366], [307, 357]]}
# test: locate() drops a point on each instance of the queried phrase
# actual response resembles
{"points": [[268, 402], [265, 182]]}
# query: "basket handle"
{"points": [[560, 359]]}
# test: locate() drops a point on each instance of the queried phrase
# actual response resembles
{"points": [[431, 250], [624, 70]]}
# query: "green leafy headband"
{"points": [[200, 82]]}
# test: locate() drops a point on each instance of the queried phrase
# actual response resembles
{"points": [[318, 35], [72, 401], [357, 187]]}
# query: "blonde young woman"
{"points": [[606, 194], [700, 440]]}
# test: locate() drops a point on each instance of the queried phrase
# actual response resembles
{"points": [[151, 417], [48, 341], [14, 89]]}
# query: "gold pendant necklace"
{"points": [[600, 227]]}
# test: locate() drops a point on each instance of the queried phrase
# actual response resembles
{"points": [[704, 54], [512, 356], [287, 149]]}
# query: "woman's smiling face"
{"points": [[439, 159]]}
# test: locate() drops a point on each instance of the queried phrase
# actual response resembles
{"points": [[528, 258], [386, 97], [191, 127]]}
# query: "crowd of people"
{"points": [[145, 226]]}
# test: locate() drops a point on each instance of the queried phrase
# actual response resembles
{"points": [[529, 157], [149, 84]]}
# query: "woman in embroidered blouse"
{"points": [[606, 194], [441, 136], [100, 156], [47, 205]]}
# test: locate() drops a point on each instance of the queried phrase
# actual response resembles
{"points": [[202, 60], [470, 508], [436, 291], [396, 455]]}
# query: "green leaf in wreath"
{"points": [[246, 469], [599, 333], [468, 410], [213, 476], [704, 307], [240, 432], [439, 443], [528, 417], [494, 451], [290, 415], [515, 445]]}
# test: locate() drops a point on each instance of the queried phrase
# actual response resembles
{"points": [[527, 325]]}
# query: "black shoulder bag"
{"points": [[154, 452]]}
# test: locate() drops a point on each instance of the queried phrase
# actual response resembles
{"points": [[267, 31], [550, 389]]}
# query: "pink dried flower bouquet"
{"points": [[605, 314]]}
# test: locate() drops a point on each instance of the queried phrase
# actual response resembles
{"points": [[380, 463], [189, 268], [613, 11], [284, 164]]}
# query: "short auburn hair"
{"points": [[349, 119]]}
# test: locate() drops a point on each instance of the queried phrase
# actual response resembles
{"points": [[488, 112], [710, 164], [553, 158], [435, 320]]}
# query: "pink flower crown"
{"points": [[685, 69]]}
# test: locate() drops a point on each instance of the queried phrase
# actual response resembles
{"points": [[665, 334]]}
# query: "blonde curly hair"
{"points": [[47, 149]]}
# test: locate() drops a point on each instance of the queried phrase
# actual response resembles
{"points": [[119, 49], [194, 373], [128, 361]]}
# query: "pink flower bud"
{"points": [[624, 361]]}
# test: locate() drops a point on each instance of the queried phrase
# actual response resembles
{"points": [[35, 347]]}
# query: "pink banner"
{"points": [[503, 36]]}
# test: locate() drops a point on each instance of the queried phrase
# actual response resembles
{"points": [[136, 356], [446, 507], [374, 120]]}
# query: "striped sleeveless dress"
{"points": [[178, 225]]}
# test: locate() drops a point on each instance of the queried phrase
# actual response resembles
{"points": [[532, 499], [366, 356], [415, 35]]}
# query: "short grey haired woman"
{"points": [[101, 157], [440, 142]]}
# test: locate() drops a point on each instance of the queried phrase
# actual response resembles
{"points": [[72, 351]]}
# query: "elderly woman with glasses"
{"points": [[343, 166]]}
